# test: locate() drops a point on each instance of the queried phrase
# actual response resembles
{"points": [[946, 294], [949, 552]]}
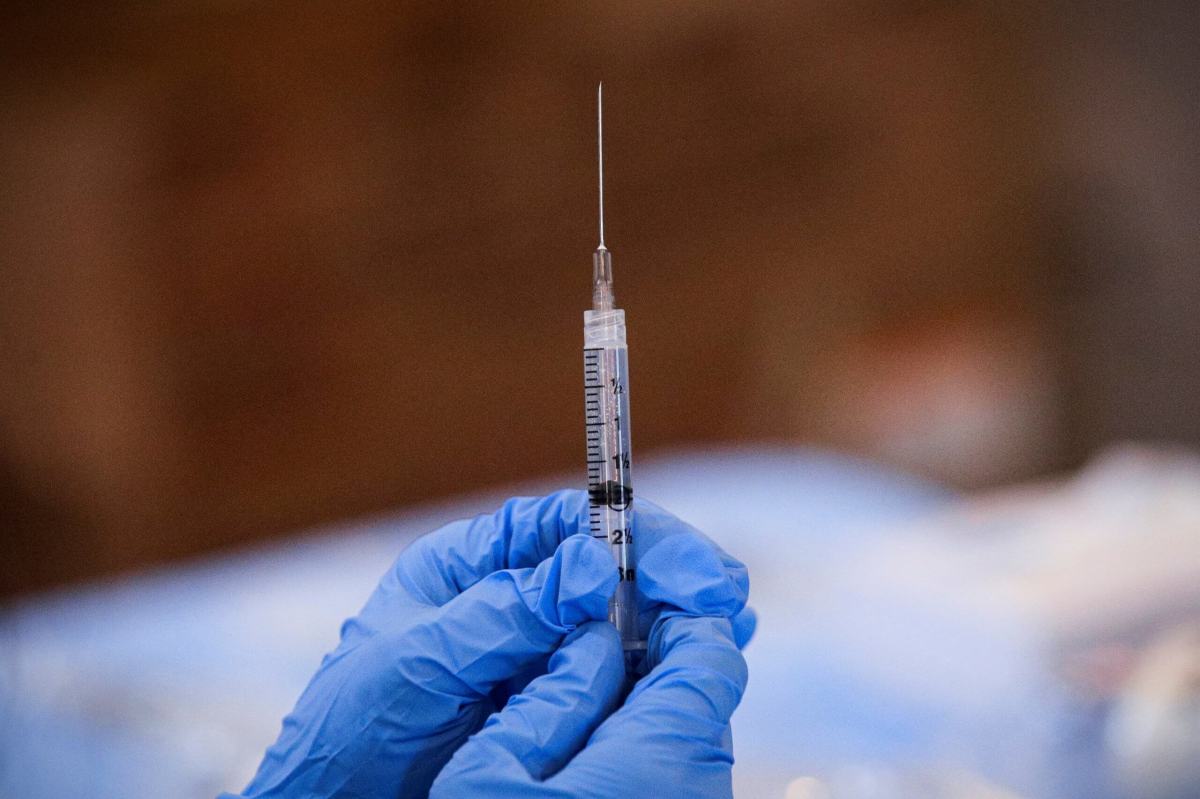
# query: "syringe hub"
{"points": [[603, 298]]}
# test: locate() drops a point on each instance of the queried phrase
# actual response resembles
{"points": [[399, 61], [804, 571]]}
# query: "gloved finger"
{"points": [[423, 683], [677, 717], [744, 625], [522, 533], [696, 667], [680, 568], [539, 730], [652, 525], [505, 621]]}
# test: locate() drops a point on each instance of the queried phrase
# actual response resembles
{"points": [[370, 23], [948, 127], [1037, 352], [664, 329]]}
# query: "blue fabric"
{"points": [[505, 611]]}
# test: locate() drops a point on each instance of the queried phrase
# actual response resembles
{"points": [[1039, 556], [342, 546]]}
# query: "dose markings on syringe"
{"points": [[608, 459], [594, 422]]}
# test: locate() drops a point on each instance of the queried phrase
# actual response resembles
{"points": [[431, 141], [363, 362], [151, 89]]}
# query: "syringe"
{"points": [[606, 404]]}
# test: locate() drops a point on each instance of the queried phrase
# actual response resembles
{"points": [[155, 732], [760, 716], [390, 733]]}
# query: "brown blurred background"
{"points": [[266, 266]]}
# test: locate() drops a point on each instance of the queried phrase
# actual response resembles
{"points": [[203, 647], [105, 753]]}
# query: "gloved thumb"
{"points": [[542, 727]]}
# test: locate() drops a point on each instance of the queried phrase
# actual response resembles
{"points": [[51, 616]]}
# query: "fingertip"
{"points": [[561, 513], [496, 629], [687, 573], [587, 550], [652, 524], [599, 643], [697, 679], [700, 645], [674, 631], [588, 579], [521, 533], [744, 625], [533, 527], [602, 635], [737, 572]]}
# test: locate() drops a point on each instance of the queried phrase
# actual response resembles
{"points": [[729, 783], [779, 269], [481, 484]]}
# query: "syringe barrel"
{"points": [[609, 460], [604, 329]]}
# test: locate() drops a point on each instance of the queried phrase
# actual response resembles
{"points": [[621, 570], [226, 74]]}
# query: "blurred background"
{"points": [[270, 266]]}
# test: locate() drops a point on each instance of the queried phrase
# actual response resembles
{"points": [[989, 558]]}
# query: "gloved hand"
{"points": [[468, 615], [556, 740]]}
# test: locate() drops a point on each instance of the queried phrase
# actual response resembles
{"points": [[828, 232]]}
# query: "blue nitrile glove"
{"points": [[556, 740], [465, 618]]}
